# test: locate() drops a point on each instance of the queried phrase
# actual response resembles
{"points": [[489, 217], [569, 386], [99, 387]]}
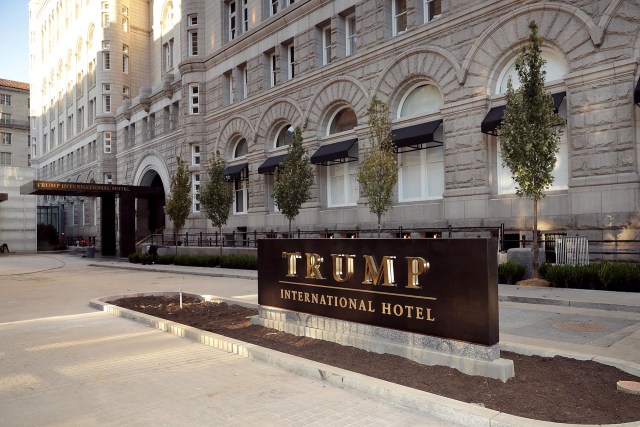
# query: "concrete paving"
{"points": [[63, 363]]}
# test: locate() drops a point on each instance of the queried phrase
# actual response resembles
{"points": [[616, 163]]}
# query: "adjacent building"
{"points": [[17, 212], [120, 88]]}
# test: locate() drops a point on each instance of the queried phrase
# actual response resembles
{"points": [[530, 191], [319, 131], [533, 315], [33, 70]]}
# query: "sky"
{"points": [[14, 33]]}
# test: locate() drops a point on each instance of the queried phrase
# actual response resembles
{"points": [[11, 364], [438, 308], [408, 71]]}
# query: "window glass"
{"points": [[285, 136], [343, 121], [241, 149], [555, 68], [421, 99]]}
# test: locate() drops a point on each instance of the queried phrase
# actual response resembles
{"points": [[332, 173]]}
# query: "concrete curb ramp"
{"points": [[429, 404]]}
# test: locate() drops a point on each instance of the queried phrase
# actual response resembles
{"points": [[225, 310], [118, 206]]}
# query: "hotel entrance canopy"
{"points": [[107, 193]]}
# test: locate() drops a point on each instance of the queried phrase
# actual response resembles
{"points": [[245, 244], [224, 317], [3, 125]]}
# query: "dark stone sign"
{"points": [[442, 287]]}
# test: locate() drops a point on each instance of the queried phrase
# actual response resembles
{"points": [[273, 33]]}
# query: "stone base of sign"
{"points": [[471, 359]]}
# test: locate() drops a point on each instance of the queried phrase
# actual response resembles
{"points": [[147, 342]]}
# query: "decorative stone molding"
{"points": [[280, 110], [236, 125]]}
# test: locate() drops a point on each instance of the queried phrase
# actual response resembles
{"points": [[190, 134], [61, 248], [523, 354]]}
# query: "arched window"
{"points": [[241, 149], [419, 100], [284, 137], [342, 121], [555, 68], [167, 17], [421, 172]]}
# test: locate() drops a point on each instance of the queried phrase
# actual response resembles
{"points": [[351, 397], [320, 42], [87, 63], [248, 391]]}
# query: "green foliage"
{"points": [[47, 236], [241, 261], [605, 276], [178, 204], [529, 134], [378, 172], [216, 194], [510, 272], [293, 179]]}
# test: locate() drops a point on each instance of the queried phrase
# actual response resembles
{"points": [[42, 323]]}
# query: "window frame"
{"points": [[194, 99], [326, 45], [397, 15], [106, 142], [350, 33]]}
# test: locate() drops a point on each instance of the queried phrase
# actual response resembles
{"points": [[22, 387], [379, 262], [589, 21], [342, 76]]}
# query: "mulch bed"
{"points": [[554, 389]]}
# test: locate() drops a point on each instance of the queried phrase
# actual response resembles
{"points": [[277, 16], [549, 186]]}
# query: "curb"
{"points": [[157, 269], [444, 408], [569, 303]]}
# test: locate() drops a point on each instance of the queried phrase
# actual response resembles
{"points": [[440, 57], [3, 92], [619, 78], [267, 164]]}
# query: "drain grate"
{"points": [[580, 327]]}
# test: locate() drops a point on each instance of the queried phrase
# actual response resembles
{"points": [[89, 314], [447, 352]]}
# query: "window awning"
{"points": [[493, 119], [3, 197], [331, 154], [636, 93], [269, 166], [237, 172], [416, 137]]}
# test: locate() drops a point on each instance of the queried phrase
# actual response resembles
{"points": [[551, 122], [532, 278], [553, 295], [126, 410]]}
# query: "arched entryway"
{"points": [[150, 216]]}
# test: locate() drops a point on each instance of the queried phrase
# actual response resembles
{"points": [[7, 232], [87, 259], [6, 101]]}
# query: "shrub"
{"points": [[246, 262], [510, 272], [134, 258], [602, 276]]}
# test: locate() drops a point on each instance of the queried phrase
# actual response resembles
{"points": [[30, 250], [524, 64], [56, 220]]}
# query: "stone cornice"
{"points": [[619, 69]]}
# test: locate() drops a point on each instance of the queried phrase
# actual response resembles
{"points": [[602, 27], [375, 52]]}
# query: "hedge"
{"points": [[246, 262], [623, 277]]}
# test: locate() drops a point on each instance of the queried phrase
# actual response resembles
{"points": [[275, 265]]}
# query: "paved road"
{"points": [[65, 364]]}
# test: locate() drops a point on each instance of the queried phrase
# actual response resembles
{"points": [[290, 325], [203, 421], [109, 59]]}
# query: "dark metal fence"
{"points": [[599, 250]]}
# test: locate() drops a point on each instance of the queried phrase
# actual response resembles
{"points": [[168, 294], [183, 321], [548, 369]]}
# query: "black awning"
{"points": [[334, 153], [493, 119], [416, 137], [636, 93], [269, 166], [3, 197], [237, 172]]}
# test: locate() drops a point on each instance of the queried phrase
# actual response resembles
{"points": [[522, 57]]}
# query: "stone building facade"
{"points": [[17, 212], [191, 77]]}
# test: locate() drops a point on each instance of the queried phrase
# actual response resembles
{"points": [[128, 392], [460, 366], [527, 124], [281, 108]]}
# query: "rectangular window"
{"points": [[126, 92], [195, 192], [106, 44], [291, 70], [167, 54], [193, 43], [5, 159], [106, 87], [195, 155], [5, 99], [152, 125], [194, 99], [326, 45], [399, 13], [125, 64], [273, 7], [125, 11], [106, 103], [106, 60], [342, 184], [72, 212], [232, 20], [350, 34], [125, 24], [239, 197], [107, 142], [273, 69], [192, 20], [432, 8], [5, 138], [245, 82], [107, 178], [106, 21], [5, 118], [421, 174], [245, 16], [92, 110], [80, 118], [230, 87]]}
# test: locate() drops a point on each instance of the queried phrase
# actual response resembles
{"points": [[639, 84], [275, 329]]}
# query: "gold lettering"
{"points": [[313, 266], [372, 274], [419, 313], [339, 274], [386, 308], [322, 300], [415, 267], [314, 298], [291, 258], [429, 318], [397, 310], [306, 297]]}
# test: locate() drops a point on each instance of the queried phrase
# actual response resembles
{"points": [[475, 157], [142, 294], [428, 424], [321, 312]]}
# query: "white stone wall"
{"points": [[18, 212]]}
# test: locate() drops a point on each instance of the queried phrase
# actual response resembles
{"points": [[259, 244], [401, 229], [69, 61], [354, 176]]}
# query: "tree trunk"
{"points": [[379, 216], [534, 248], [221, 240], [175, 242], [289, 234]]}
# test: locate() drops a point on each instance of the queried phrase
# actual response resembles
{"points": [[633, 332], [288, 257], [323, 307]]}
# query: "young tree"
{"points": [[293, 179], [178, 204], [378, 172], [530, 131], [216, 194]]}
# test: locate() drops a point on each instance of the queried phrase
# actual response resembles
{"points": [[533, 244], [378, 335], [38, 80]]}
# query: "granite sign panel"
{"points": [[441, 287]]}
